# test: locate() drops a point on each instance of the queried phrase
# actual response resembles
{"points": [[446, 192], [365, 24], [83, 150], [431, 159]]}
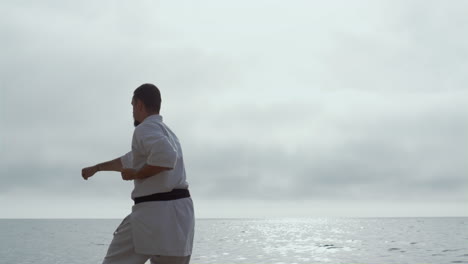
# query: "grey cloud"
{"points": [[276, 175], [385, 157]]}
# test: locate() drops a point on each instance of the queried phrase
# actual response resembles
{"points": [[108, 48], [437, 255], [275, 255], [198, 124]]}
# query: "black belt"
{"points": [[167, 196]]}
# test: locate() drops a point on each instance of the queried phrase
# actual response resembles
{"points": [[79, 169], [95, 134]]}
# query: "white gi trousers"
{"points": [[134, 242]]}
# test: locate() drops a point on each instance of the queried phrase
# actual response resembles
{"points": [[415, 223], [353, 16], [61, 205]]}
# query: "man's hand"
{"points": [[128, 174], [88, 172]]}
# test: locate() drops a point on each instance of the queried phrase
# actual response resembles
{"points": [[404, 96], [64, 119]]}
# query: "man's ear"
{"points": [[140, 105]]}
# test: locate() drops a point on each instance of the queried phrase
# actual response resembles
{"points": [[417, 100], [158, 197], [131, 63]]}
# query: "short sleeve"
{"points": [[127, 160], [160, 152], [157, 147]]}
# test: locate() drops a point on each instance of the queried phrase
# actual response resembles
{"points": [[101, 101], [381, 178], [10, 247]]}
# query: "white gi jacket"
{"points": [[160, 227]]}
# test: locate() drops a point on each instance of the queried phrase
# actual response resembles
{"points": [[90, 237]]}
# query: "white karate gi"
{"points": [[160, 230]]}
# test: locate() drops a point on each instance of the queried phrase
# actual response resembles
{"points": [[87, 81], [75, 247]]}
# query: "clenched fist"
{"points": [[88, 172]]}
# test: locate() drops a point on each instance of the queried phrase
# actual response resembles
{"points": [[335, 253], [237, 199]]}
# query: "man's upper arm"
{"points": [[161, 153], [127, 160], [158, 148]]}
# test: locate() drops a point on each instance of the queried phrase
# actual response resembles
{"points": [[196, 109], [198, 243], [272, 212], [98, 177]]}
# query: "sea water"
{"points": [[315, 240]]}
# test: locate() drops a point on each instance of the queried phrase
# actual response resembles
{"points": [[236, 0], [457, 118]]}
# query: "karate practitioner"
{"points": [[161, 225]]}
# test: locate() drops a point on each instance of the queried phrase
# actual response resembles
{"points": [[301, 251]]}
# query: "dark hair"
{"points": [[150, 96]]}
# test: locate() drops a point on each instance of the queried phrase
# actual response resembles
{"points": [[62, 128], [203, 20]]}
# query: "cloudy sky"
{"points": [[283, 108]]}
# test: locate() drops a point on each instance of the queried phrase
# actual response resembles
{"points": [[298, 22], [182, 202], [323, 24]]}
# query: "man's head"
{"points": [[146, 101]]}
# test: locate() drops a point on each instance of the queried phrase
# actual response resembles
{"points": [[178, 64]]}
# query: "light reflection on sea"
{"points": [[339, 240]]}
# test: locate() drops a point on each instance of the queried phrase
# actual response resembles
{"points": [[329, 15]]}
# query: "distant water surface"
{"points": [[315, 240]]}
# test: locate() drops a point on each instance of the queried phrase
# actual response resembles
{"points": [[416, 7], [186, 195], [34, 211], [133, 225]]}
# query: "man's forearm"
{"points": [[111, 165], [148, 171]]}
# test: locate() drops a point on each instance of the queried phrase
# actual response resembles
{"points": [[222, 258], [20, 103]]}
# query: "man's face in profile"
{"points": [[135, 122]]}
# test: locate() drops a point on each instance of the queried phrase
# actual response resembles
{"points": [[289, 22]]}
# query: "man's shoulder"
{"points": [[146, 128]]}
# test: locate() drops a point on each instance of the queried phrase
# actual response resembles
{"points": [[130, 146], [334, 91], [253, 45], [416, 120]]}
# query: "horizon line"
{"points": [[233, 218]]}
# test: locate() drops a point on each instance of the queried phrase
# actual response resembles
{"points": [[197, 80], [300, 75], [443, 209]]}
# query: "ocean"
{"points": [[314, 240]]}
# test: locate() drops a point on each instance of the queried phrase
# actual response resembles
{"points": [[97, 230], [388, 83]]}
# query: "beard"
{"points": [[135, 123]]}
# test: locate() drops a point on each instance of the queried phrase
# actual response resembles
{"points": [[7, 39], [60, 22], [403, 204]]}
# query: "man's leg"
{"points": [[170, 260], [121, 249]]}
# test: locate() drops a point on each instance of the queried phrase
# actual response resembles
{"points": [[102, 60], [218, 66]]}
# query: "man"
{"points": [[161, 225]]}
